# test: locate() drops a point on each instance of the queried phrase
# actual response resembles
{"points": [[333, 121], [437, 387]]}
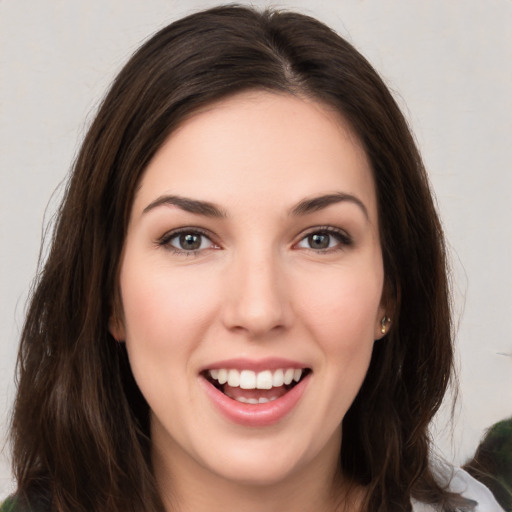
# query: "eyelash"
{"points": [[165, 241], [343, 239]]}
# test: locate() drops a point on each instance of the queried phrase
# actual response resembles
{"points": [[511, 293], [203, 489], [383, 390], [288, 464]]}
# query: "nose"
{"points": [[256, 298]]}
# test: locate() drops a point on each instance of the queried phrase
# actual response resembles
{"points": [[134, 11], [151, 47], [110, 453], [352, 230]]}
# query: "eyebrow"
{"points": [[208, 209], [189, 205], [314, 204]]}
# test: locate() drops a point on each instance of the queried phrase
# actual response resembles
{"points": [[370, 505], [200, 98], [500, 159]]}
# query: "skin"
{"points": [[254, 289]]}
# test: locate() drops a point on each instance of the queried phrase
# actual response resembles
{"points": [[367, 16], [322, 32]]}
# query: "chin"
{"points": [[257, 474], [259, 463]]}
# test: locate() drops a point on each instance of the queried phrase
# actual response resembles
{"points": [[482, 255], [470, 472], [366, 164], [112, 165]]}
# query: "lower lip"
{"points": [[256, 415]]}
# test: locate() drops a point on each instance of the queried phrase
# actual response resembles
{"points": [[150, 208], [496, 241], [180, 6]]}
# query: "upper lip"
{"points": [[256, 365]]}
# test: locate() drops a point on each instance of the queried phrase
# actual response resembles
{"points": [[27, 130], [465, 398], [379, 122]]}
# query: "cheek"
{"points": [[342, 308], [165, 309], [339, 311], [166, 313]]}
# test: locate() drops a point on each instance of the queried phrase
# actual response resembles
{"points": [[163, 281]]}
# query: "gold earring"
{"points": [[383, 323]]}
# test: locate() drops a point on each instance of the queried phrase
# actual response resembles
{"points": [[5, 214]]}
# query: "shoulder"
{"points": [[460, 482], [463, 483], [12, 504], [9, 505]]}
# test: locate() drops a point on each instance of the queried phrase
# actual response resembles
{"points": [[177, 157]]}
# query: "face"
{"points": [[251, 283]]}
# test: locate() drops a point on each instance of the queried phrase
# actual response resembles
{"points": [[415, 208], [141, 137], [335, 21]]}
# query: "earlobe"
{"points": [[382, 326], [386, 312], [116, 329], [385, 324]]}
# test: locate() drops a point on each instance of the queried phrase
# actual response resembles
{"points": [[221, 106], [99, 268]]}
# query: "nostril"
{"points": [[255, 303]]}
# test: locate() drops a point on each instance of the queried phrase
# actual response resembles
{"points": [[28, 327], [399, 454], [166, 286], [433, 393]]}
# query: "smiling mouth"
{"points": [[247, 386]]}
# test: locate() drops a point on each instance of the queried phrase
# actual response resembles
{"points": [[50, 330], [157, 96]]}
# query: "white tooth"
{"points": [[278, 378], [247, 379], [241, 399], [297, 374], [264, 380], [233, 378], [252, 401], [263, 400], [272, 398], [214, 374], [288, 376], [222, 377]]}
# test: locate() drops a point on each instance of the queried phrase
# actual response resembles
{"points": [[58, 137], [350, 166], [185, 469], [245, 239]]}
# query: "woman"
{"points": [[245, 305]]}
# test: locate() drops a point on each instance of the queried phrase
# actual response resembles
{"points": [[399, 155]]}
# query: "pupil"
{"points": [[190, 241], [319, 241]]}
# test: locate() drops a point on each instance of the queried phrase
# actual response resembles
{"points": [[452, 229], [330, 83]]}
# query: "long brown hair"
{"points": [[80, 427]]}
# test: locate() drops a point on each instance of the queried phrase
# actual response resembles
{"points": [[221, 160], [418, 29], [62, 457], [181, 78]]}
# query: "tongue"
{"points": [[236, 393]]}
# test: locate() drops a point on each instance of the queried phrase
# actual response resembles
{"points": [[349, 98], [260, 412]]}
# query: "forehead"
{"points": [[264, 146]]}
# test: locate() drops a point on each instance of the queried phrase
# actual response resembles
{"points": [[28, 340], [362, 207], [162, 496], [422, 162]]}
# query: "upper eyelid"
{"points": [[188, 229], [165, 239], [344, 238], [168, 235], [323, 229]]}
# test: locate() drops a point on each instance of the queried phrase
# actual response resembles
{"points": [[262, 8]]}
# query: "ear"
{"points": [[382, 324], [116, 328], [385, 314], [116, 324]]}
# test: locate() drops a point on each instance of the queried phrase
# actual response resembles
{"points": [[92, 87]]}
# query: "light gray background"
{"points": [[449, 65]]}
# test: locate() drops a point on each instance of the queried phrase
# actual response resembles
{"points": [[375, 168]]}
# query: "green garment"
{"points": [[9, 505]]}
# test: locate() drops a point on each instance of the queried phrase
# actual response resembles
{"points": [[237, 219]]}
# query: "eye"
{"points": [[324, 240], [186, 241]]}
